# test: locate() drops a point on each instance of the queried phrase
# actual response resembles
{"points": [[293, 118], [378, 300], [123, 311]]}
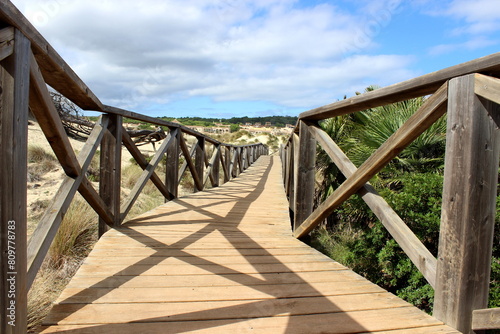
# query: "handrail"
{"points": [[27, 64], [470, 94]]}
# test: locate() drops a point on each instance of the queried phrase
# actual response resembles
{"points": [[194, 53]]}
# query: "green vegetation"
{"points": [[234, 128], [411, 184]]}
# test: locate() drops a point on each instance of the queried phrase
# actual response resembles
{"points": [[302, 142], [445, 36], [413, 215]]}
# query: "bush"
{"points": [[373, 253], [234, 128]]}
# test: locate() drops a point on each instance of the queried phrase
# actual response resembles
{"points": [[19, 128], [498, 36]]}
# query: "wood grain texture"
{"points": [[14, 83], [469, 205], [486, 319], [224, 261]]}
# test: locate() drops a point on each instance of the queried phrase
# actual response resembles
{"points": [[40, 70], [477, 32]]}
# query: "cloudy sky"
{"points": [[225, 58]]}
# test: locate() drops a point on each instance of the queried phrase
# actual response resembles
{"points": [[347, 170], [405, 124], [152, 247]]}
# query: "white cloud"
{"points": [[154, 51]]}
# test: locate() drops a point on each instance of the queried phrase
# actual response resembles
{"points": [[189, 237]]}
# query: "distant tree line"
{"points": [[278, 121]]}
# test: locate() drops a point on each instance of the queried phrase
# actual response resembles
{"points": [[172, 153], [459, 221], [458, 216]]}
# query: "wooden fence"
{"points": [[27, 65], [470, 95]]}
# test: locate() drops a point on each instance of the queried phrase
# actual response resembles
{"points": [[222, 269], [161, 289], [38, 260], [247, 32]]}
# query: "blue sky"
{"points": [[225, 58]]}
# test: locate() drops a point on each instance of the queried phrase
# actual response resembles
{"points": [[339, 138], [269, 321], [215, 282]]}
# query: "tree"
{"points": [[234, 128]]}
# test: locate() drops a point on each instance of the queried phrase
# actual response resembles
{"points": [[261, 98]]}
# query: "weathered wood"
{"points": [[406, 239], [295, 166], [172, 167], [304, 187], [142, 162], [190, 153], [429, 112], [469, 206], [6, 42], [199, 160], [421, 86], [234, 162], [157, 121], [216, 165], [14, 77], [46, 229], [487, 87], [95, 201], [225, 157], [46, 114], [146, 174], [486, 319], [57, 73], [110, 170], [209, 166], [188, 158]]}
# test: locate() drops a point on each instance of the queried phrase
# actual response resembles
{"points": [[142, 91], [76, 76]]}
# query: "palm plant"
{"points": [[425, 154]]}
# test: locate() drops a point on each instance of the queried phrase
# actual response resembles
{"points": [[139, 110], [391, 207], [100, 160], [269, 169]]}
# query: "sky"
{"points": [[233, 58]]}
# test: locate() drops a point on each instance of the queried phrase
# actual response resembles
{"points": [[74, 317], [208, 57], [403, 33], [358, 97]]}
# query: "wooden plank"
{"points": [[199, 294], [487, 87], [421, 86], [146, 174], [6, 42], [46, 114], [14, 77], [110, 170], [469, 206], [55, 70], [142, 162], [486, 319], [46, 229], [304, 188], [406, 239], [208, 280], [172, 168], [431, 111], [335, 323], [194, 311]]}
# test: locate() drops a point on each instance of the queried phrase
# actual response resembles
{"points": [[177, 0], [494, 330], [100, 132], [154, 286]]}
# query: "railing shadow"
{"points": [[279, 302]]}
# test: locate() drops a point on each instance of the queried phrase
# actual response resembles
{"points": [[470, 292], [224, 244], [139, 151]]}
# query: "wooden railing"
{"points": [[27, 65], [470, 95]]}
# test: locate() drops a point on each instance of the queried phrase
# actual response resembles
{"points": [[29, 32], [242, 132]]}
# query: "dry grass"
{"points": [[74, 239], [40, 163]]}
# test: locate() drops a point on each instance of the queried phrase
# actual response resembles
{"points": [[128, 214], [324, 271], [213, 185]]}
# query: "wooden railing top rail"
{"points": [[420, 86]]}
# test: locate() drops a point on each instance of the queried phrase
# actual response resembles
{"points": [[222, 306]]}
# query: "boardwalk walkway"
{"points": [[224, 261]]}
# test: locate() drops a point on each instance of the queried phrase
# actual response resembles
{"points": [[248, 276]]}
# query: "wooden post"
{"points": [[200, 158], [110, 170], [172, 166], [227, 161], [14, 97], [469, 205], [304, 185], [216, 165]]}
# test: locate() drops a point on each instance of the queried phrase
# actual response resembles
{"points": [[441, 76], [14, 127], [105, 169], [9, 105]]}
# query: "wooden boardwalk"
{"points": [[224, 261]]}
